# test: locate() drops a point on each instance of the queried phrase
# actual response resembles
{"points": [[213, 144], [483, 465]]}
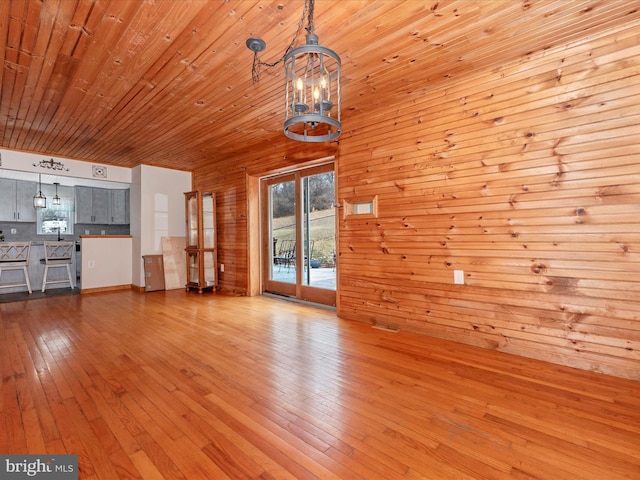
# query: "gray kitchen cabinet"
{"points": [[102, 206], [101, 213], [16, 200], [84, 205], [7, 200], [119, 204], [92, 205]]}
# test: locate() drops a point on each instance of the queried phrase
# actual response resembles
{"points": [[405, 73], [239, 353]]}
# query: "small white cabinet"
{"points": [[16, 200]]}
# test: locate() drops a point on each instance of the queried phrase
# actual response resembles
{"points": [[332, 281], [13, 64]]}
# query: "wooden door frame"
{"points": [[284, 288], [254, 236], [258, 263]]}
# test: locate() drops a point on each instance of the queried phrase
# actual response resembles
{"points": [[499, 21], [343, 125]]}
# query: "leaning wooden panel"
{"points": [[174, 262]]}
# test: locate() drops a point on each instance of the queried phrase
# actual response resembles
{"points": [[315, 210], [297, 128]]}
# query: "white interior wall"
{"points": [[157, 210], [68, 173], [105, 262]]}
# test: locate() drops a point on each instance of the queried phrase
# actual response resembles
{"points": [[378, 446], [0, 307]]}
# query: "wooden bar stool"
{"points": [[57, 254], [15, 256]]}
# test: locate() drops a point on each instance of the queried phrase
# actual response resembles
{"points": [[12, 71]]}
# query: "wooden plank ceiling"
{"points": [[168, 83]]}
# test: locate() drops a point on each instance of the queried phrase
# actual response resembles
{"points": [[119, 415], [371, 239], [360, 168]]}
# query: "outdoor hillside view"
{"points": [[322, 228], [320, 196], [317, 229]]}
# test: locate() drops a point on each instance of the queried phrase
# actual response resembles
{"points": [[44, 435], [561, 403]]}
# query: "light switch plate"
{"points": [[458, 277]]}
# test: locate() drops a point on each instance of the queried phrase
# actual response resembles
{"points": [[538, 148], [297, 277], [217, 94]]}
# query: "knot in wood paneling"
{"points": [[538, 268]]}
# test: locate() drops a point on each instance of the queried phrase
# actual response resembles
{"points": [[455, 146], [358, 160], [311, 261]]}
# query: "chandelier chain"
{"points": [[257, 63], [310, 16]]}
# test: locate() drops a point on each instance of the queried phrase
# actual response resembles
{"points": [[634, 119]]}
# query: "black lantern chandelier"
{"points": [[312, 98], [39, 200], [56, 199]]}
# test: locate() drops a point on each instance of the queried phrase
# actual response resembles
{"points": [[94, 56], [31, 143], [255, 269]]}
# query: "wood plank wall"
{"points": [[526, 177]]}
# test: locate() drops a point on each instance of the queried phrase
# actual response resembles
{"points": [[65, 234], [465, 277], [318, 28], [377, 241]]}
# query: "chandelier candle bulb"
{"points": [[299, 86]]}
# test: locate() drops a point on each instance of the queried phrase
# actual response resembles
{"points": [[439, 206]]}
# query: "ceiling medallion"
{"points": [[51, 165]]}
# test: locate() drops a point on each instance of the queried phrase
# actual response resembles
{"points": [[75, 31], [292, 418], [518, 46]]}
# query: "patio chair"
{"points": [[286, 253]]}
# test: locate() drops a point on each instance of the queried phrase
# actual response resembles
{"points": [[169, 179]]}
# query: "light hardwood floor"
{"points": [[179, 385]]}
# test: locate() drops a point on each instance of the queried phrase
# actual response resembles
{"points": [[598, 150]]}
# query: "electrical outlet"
{"points": [[91, 263], [222, 267], [14, 231], [458, 277]]}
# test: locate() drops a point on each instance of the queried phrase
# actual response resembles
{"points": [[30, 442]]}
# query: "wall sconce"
{"points": [[39, 201]]}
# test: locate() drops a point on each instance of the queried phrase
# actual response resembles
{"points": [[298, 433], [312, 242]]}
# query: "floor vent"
{"points": [[386, 328]]}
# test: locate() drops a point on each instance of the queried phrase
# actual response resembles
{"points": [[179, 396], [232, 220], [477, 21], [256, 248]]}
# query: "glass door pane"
{"points": [[192, 220], [193, 267], [208, 221], [319, 230], [209, 265], [282, 220]]}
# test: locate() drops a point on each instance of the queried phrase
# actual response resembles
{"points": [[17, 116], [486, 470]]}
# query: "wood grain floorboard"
{"points": [[178, 385]]}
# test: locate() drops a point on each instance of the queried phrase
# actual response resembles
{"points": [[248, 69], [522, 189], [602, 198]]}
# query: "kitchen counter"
{"points": [[105, 236]]}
